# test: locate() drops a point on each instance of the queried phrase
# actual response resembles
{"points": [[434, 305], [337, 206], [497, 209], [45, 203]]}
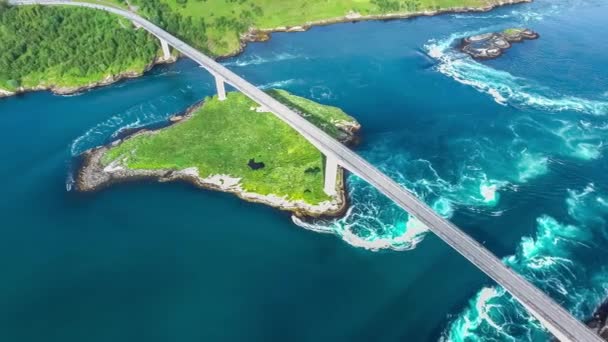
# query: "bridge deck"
{"points": [[556, 319]]}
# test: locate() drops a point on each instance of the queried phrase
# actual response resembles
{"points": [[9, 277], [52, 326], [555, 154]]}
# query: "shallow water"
{"points": [[512, 150]]}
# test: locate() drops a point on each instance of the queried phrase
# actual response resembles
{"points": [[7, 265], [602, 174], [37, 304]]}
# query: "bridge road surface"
{"points": [[553, 317]]}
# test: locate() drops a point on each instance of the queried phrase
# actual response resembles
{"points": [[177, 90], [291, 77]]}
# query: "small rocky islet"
{"points": [[492, 45]]}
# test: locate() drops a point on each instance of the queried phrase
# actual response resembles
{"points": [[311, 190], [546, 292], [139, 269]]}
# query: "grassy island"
{"points": [[64, 49], [216, 26], [253, 149]]}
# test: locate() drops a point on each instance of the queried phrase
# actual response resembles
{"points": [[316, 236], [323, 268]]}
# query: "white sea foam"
{"points": [[69, 181], [524, 14], [321, 93], [488, 192], [374, 223], [492, 311], [257, 60], [157, 110], [531, 165], [547, 260], [363, 227], [578, 139], [501, 85], [587, 206], [279, 84]]}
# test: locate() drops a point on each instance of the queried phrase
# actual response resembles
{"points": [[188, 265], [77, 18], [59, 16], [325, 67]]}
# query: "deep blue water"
{"points": [[512, 150]]}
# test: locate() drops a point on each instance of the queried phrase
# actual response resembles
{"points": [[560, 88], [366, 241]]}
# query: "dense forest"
{"points": [[67, 47]]}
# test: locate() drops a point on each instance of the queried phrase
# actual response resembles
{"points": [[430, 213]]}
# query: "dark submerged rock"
{"points": [[492, 45], [599, 321]]}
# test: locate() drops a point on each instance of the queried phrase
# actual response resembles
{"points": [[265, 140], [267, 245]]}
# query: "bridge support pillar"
{"points": [[221, 89], [166, 50], [331, 175]]}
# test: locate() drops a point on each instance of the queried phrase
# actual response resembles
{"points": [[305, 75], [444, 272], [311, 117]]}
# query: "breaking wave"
{"points": [[553, 260]]}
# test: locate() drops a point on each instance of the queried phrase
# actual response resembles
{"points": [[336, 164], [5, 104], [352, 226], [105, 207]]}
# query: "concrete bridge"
{"points": [[553, 317]]}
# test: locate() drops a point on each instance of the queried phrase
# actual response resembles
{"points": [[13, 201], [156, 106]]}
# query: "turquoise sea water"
{"points": [[512, 150]]}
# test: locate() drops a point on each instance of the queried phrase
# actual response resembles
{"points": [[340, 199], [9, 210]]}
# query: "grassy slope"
{"points": [[275, 13], [324, 117], [513, 31], [221, 137], [68, 47]]}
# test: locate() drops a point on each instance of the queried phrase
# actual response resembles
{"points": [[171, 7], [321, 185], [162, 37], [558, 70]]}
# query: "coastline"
{"points": [[108, 80], [264, 34], [93, 176], [259, 35]]}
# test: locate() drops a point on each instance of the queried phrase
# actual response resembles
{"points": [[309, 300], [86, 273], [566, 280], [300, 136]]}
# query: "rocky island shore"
{"points": [[494, 44], [271, 164]]}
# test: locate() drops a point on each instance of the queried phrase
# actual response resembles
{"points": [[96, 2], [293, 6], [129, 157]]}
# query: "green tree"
{"points": [[67, 46]]}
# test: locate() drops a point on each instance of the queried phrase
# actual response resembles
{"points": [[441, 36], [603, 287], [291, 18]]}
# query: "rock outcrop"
{"points": [[492, 45]]}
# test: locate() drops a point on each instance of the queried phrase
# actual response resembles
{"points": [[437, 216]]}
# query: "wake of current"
{"points": [[549, 125], [553, 260], [560, 257]]}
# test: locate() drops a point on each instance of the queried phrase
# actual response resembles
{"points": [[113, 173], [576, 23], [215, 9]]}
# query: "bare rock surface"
{"points": [[494, 44]]}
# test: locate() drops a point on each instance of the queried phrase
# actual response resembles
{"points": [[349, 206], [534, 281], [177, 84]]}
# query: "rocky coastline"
{"points": [[93, 176], [494, 44], [110, 79], [264, 34]]}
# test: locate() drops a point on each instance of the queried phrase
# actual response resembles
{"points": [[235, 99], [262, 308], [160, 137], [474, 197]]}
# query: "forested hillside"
{"points": [[67, 47]]}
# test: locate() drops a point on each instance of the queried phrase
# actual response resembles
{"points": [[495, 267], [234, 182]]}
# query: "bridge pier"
{"points": [[166, 50], [331, 175], [221, 89]]}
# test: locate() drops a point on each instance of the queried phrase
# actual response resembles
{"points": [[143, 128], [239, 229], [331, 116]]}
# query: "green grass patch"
{"points": [[327, 118], [513, 31], [222, 136], [68, 46]]}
